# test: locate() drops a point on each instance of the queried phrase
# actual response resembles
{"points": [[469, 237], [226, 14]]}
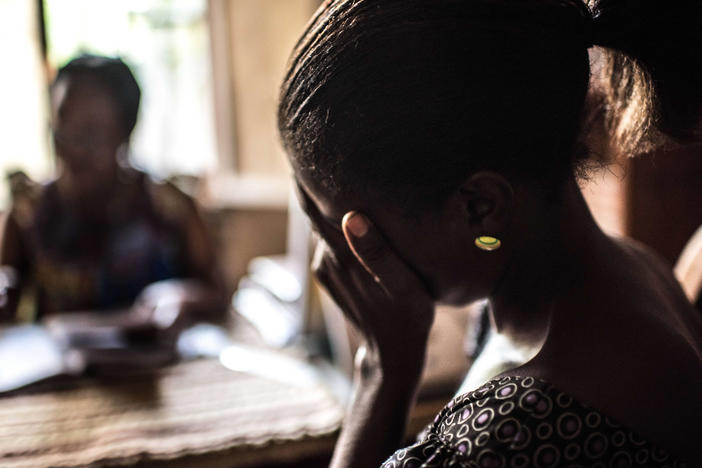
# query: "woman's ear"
{"points": [[487, 198]]}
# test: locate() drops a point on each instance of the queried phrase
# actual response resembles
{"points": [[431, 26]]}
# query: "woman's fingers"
{"points": [[333, 236], [396, 300], [328, 273], [378, 258]]}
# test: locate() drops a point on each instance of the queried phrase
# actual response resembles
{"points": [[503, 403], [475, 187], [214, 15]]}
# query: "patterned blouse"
{"points": [[78, 262], [520, 422]]}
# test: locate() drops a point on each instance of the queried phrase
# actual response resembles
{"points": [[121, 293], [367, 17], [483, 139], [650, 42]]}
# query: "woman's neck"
{"points": [[559, 241]]}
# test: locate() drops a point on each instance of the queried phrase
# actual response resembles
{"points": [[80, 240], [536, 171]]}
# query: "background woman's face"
{"points": [[436, 243], [87, 132]]}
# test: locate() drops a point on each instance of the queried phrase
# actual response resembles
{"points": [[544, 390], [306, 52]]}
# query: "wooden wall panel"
{"points": [[263, 33], [664, 199]]}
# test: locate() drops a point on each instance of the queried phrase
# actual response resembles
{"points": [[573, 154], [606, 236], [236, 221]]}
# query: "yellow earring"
{"points": [[488, 243]]}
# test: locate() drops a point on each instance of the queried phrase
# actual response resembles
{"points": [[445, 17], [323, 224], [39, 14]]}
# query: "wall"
{"points": [[664, 199], [263, 33], [247, 199]]}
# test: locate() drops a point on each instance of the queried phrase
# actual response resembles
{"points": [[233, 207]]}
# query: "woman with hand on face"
{"points": [[435, 147], [104, 235]]}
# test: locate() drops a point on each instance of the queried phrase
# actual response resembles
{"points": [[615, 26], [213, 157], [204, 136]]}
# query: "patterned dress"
{"points": [[102, 261], [520, 422]]}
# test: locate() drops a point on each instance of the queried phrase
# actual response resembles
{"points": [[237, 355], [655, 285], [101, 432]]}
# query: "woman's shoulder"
{"points": [[650, 264], [26, 195], [520, 421], [168, 200]]}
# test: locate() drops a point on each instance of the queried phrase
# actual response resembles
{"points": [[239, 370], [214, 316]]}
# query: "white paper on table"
{"points": [[28, 353], [269, 364]]}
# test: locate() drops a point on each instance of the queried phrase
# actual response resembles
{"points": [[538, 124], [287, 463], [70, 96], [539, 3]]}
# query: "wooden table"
{"points": [[190, 414]]}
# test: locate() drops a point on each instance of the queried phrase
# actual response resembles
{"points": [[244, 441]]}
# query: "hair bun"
{"points": [[653, 64]]}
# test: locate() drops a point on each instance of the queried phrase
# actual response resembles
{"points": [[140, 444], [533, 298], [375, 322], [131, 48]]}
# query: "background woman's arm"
{"points": [[13, 268], [201, 293]]}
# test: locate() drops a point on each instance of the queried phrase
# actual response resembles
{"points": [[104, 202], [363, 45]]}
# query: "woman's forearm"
{"points": [[377, 416], [10, 290]]}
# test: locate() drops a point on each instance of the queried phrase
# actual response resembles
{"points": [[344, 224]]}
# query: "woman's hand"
{"points": [[167, 306], [376, 290], [8, 293], [379, 294]]}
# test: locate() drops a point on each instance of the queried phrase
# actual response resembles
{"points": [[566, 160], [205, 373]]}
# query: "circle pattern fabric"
{"points": [[515, 422]]}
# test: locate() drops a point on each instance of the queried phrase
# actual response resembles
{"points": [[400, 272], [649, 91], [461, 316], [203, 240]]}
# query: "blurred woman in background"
{"points": [[435, 146], [104, 235]]}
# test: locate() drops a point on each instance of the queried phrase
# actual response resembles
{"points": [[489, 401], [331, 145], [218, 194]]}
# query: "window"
{"points": [[165, 42], [167, 45], [24, 141]]}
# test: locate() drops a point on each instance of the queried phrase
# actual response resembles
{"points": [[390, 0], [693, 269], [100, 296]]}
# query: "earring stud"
{"points": [[488, 243]]}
